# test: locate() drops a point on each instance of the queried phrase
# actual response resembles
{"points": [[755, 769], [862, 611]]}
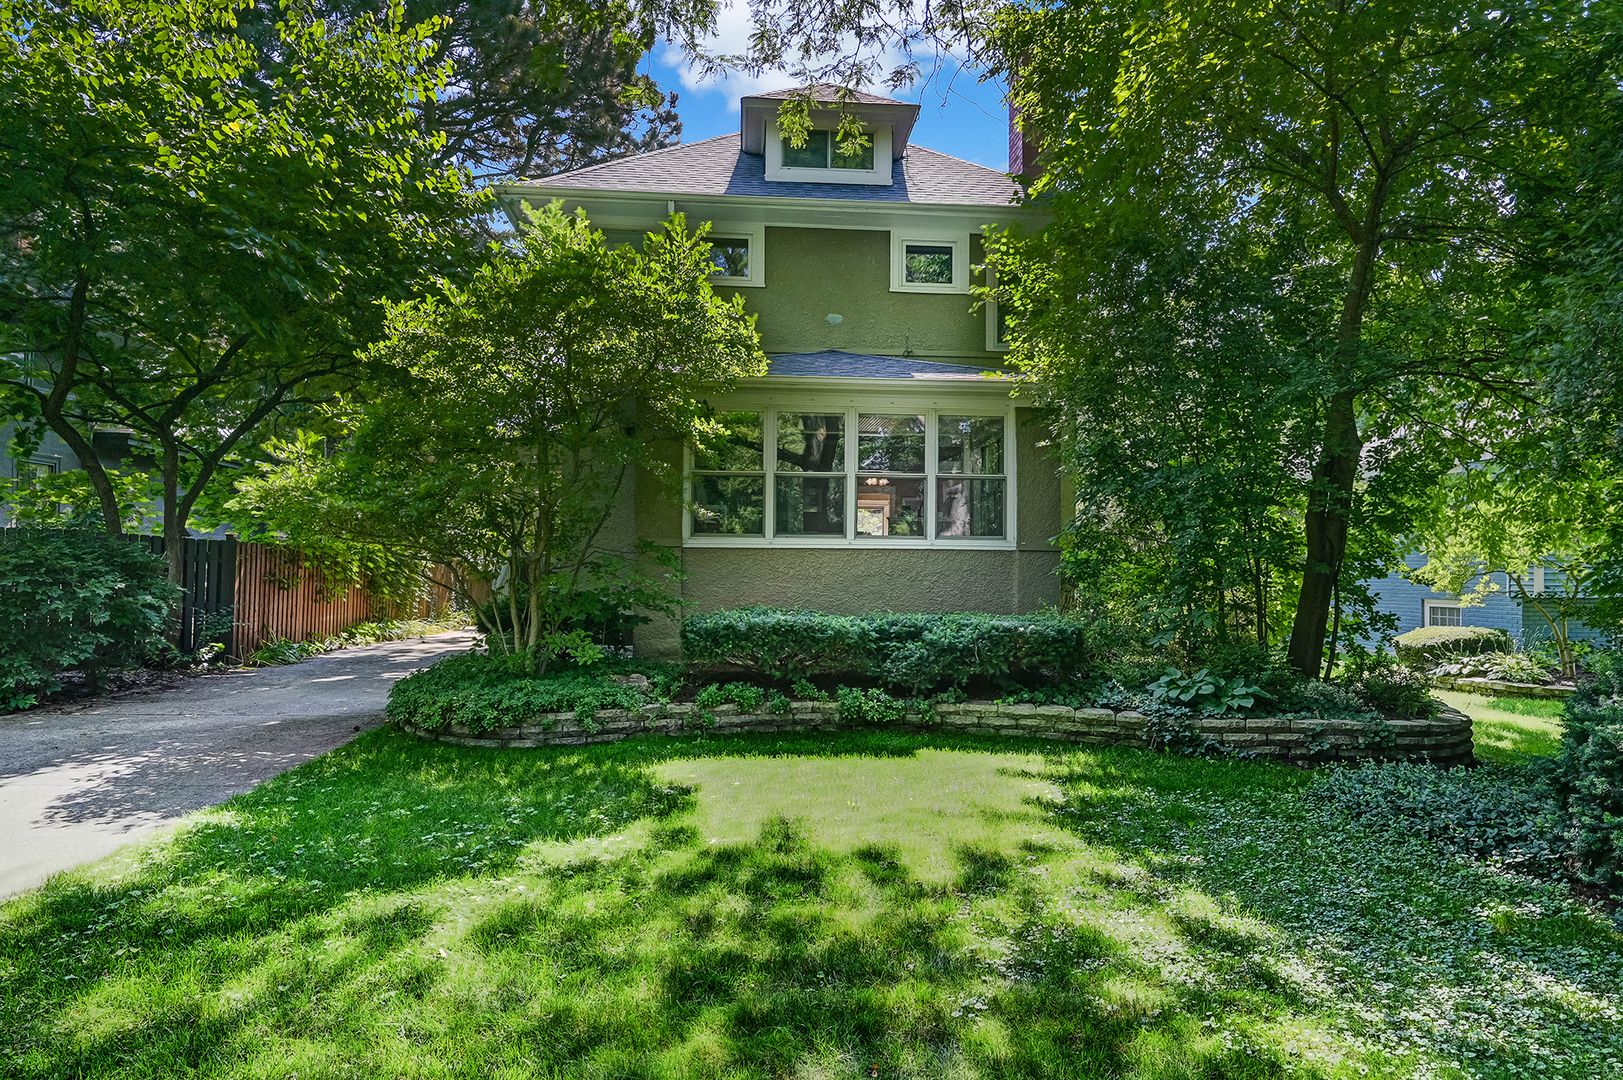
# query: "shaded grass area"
{"points": [[840, 906], [1508, 730]]}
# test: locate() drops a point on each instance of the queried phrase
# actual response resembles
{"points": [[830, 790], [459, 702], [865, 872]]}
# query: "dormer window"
{"points": [[823, 150], [819, 160]]}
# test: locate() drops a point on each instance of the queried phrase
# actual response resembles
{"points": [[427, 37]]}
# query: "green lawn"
{"points": [[851, 906], [1507, 730]]}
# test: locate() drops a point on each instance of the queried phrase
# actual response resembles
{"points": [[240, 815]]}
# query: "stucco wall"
{"points": [[813, 273]]}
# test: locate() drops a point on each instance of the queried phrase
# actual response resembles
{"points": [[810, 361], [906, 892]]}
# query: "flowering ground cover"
{"points": [[854, 905]]}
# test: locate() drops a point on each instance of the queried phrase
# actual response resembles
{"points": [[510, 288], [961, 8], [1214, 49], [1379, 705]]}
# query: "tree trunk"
{"points": [[53, 404]]}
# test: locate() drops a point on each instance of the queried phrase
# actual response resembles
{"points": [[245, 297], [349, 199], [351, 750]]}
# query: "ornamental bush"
{"points": [[75, 599], [483, 693], [1589, 773], [1429, 646], [916, 653]]}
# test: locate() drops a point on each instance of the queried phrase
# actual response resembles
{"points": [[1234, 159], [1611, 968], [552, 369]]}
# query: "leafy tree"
{"points": [[1371, 156], [523, 404], [1495, 519], [538, 86], [194, 231]]}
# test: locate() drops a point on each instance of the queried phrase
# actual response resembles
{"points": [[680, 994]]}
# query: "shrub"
{"points": [[748, 698], [1507, 815], [75, 598], [1327, 701], [1429, 646], [1589, 774], [1513, 667], [1398, 693], [858, 706], [1203, 691], [913, 652], [484, 692]]}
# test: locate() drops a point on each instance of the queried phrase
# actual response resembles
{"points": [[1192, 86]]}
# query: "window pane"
{"points": [[731, 258], [814, 155], [862, 159], [737, 449], [971, 444], [890, 506], [929, 264], [1444, 616], [729, 505], [811, 442], [965, 507], [810, 506], [890, 443]]}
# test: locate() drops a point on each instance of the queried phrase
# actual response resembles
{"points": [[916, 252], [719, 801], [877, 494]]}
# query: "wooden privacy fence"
{"points": [[270, 594]]}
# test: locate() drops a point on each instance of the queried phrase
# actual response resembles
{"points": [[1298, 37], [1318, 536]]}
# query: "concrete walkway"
{"points": [[80, 781]]}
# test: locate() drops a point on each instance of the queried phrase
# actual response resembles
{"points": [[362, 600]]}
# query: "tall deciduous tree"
{"points": [[522, 404], [1390, 141], [196, 230]]}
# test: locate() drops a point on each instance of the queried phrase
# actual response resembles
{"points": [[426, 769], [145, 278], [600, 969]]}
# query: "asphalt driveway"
{"points": [[78, 782]]}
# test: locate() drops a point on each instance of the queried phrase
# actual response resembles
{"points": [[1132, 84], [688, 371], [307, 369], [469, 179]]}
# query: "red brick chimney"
{"points": [[1022, 147]]}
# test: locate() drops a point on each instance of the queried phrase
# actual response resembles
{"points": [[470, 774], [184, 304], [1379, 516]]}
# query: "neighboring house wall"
{"points": [[813, 273], [1502, 610]]}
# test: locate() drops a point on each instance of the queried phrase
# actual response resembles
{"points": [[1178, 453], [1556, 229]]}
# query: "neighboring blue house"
{"points": [[1416, 606]]}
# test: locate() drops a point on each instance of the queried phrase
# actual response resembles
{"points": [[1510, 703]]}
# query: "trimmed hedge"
{"points": [[913, 652], [1432, 645], [484, 692]]}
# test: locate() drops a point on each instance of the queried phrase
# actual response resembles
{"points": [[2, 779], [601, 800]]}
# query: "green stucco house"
{"points": [[877, 467]]}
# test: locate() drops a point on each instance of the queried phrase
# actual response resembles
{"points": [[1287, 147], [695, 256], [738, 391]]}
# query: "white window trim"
{"points": [[989, 309], [1008, 542], [898, 263], [878, 176], [1427, 605], [755, 233]]}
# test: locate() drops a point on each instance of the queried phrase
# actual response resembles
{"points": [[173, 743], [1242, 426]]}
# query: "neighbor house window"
{"points": [[818, 475], [1443, 613]]}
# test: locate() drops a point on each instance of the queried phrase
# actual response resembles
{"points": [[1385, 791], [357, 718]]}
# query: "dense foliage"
{"points": [[74, 598], [916, 653], [1590, 776], [513, 413], [483, 692]]}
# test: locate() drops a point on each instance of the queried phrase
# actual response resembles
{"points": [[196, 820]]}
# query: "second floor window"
{"points": [[822, 150]]}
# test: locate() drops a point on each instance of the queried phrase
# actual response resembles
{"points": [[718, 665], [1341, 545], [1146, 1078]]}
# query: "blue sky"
{"points": [[958, 116]]}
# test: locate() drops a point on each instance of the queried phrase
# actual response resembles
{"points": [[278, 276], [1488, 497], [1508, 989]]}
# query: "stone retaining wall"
{"points": [[1444, 740], [1499, 686]]}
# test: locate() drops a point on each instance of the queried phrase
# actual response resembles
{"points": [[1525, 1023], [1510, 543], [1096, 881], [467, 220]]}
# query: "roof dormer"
{"points": [[887, 122]]}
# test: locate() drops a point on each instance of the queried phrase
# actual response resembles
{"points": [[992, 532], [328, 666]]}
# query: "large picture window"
{"points": [[819, 475]]}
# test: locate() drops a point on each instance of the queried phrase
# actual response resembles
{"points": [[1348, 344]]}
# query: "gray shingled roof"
{"points": [[717, 167], [830, 92], [834, 364]]}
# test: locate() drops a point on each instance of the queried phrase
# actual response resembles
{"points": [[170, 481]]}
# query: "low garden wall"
{"points": [[1500, 686], [1444, 740]]}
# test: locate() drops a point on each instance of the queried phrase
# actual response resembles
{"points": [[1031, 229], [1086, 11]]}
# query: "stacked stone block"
{"points": [[1444, 739]]}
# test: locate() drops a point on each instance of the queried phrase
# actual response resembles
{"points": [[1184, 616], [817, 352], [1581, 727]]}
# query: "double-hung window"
{"points": [[854, 476]]}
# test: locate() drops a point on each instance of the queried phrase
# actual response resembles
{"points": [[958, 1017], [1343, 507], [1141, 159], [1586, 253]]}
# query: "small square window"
{"points": [[1443, 615], [928, 264], [730, 257]]}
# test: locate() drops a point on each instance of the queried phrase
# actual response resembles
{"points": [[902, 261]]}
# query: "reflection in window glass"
{"points": [[738, 448], [731, 258], [890, 443], [729, 505], [809, 506], [813, 155], [928, 264], [971, 444], [890, 506], [966, 506], [862, 159], [811, 442]]}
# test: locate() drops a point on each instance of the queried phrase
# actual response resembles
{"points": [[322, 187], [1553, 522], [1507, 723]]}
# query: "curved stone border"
{"points": [[1499, 686], [1445, 740]]}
